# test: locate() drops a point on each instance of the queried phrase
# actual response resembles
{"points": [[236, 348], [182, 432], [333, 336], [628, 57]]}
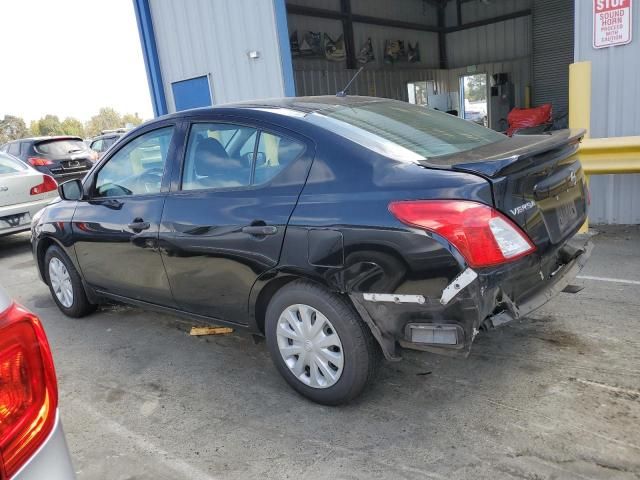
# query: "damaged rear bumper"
{"points": [[474, 299]]}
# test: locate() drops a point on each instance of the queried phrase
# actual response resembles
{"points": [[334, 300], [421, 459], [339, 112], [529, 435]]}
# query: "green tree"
{"points": [[12, 128], [34, 128], [106, 119], [475, 88], [131, 119], [73, 126], [49, 125]]}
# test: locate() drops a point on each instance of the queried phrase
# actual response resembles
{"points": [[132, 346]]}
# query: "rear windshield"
{"points": [[61, 147], [405, 131], [9, 164]]}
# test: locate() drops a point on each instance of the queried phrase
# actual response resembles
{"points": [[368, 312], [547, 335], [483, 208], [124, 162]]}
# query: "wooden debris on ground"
{"points": [[196, 331]]}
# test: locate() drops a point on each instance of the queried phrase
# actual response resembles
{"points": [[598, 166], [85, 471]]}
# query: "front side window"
{"points": [[226, 156], [97, 146], [137, 168]]}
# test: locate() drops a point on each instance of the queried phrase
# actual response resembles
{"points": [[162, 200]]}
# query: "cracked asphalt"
{"points": [[554, 396]]}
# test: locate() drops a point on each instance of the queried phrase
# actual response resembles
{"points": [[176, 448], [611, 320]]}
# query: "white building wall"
{"points": [[615, 112], [204, 37]]}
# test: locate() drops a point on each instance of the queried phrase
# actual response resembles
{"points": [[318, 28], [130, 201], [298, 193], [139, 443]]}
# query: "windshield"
{"points": [[405, 131], [61, 147], [9, 164]]}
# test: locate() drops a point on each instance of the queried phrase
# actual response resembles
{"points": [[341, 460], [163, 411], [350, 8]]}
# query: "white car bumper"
{"points": [[28, 209]]}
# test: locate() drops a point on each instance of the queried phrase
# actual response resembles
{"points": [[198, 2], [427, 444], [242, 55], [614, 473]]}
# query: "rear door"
{"points": [[116, 226], [224, 223]]}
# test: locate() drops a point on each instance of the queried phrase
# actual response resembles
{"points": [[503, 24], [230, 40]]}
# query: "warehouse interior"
{"points": [[474, 58]]}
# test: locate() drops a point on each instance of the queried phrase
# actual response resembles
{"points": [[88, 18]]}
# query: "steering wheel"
{"points": [[151, 178]]}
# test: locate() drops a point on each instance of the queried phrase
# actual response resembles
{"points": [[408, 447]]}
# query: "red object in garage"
{"points": [[520, 118]]}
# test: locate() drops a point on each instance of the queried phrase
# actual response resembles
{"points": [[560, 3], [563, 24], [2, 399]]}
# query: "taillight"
{"points": [[48, 184], [28, 389], [39, 162], [480, 233]]}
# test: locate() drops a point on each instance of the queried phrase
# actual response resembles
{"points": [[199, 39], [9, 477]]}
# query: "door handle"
{"points": [[138, 225], [260, 230]]}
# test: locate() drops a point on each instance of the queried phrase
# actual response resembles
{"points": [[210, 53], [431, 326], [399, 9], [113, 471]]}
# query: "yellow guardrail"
{"points": [[610, 155], [598, 156]]}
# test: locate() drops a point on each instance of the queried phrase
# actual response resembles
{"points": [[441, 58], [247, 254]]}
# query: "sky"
{"points": [[70, 58]]}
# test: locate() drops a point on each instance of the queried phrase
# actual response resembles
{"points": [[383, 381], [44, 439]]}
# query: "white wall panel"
{"points": [[615, 111], [490, 43], [213, 38]]}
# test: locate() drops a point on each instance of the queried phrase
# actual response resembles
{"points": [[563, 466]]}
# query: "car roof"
{"points": [[48, 138], [106, 135], [303, 105]]}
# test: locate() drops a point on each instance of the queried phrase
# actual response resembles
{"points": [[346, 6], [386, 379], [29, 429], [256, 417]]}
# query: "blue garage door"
{"points": [[192, 93]]}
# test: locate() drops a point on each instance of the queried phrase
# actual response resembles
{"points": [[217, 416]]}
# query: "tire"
{"points": [[360, 354], [78, 305]]}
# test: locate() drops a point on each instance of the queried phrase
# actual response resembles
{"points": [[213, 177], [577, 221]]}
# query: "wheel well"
{"points": [[265, 296], [43, 246]]}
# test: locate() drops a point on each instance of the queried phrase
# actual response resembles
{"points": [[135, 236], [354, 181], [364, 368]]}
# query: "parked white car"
{"points": [[23, 192]]}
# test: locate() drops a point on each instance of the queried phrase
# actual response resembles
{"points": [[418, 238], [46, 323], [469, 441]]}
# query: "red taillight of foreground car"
{"points": [[28, 388], [39, 162], [48, 184], [481, 234]]}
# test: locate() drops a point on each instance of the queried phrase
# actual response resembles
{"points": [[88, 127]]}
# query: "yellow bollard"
{"points": [[580, 104]]}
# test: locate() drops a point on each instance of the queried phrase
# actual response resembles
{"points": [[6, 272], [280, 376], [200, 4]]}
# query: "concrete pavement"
{"points": [[554, 396]]}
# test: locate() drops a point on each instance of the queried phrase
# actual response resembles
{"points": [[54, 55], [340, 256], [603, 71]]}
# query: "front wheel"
{"points": [[319, 344], [65, 284]]}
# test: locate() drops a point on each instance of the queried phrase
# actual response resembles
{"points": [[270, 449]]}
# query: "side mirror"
{"points": [[70, 190]]}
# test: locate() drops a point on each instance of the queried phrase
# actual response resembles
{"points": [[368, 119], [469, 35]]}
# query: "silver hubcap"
{"points": [[61, 282], [310, 346]]}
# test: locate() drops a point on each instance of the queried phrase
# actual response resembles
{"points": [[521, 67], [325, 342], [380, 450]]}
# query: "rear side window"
{"points": [[10, 164], [59, 148], [14, 148], [221, 155], [137, 168], [404, 131], [274, 153]]}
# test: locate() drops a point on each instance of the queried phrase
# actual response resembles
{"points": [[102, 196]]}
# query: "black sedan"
{"points": [[343, 229]]}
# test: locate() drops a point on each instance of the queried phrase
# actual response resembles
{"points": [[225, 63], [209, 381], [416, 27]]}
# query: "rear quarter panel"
{"points": [[348, 191]]}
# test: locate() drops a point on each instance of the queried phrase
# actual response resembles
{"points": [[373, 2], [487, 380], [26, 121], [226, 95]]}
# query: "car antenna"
{"points": [[343, 92]]}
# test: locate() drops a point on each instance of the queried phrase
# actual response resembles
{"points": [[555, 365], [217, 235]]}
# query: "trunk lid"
{"points": [[537, 181], [15, 188]]}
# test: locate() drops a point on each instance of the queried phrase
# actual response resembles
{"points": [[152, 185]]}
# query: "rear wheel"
{"points": [[319, 344], [65, 284]]}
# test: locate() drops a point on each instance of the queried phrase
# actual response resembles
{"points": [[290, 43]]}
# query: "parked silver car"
{"points": [[23, 192], [32, 441]]}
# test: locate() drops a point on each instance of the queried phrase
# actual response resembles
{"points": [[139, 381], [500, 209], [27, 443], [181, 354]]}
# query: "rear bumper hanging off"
{"points": [[448, 324]]}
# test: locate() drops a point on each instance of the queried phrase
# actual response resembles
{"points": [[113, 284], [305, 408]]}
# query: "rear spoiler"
{"points": [[518, 152]]}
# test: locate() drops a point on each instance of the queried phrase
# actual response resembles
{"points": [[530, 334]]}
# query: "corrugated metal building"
{"points": [[206, 52]]}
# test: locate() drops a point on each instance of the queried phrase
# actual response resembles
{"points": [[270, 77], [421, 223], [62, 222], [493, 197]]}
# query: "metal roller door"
{"points": [[552, 29]]}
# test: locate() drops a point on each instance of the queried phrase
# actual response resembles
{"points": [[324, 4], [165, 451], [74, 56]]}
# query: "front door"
{"points": [[225, 224], [116, 228]]}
